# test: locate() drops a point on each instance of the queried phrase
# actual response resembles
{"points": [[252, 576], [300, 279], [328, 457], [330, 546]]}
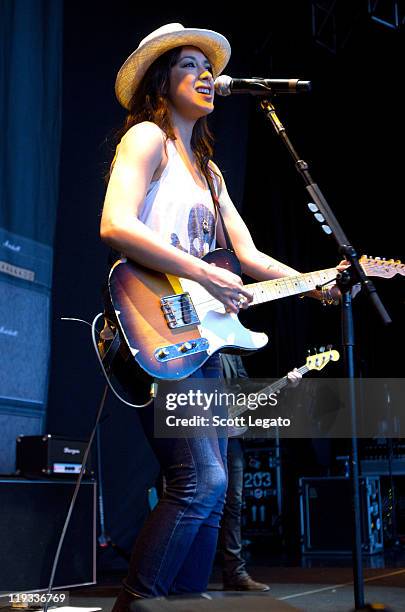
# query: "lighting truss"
{"points": [[333, 22], [386, 12]]}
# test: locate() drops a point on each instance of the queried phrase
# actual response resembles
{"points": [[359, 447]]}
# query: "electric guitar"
{"points": [[172, 325], [313, 362]]}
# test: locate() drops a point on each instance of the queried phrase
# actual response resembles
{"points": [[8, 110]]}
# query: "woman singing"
{"points": [[159, 211]]}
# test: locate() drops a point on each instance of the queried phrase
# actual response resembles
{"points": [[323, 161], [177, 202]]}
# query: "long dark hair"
{"points": [[150, 103]]}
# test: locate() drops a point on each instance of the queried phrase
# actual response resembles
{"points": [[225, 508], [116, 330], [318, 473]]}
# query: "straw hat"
{"points": [[214, 46]]}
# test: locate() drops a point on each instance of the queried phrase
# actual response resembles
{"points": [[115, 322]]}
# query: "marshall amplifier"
{"points": [[25, 290], [49, 455]]}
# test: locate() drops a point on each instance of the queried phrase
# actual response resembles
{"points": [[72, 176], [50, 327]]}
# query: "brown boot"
{"points": [[245, 583]]}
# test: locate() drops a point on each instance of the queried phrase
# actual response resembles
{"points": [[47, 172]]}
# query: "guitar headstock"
{"points": [[375, 266], [319, 361]]}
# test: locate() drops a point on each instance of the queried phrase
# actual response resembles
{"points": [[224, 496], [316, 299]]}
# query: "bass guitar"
{"points": [[313, 362]]}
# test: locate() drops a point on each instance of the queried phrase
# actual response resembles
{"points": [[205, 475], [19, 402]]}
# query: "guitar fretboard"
{"points": [[235, 411], [266, 291]]}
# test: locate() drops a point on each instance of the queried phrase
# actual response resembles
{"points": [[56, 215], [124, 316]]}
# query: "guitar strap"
{"points": [[217, 207]]}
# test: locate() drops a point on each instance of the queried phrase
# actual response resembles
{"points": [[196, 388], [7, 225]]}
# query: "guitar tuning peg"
{"points": [[309, 352], [329, 347], [321, 349]]}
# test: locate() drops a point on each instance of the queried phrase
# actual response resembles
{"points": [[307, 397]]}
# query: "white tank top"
{"points": [[180, 211]]}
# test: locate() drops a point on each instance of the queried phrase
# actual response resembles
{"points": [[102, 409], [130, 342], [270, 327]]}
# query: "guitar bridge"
{"points": [[179, 311]]}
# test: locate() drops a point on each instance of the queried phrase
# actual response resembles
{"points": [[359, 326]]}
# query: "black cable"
{"points": [[73, 500], [87, 451]]}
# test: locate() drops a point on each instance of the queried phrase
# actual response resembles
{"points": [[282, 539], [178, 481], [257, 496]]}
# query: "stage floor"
{"points": [[318, 584]]}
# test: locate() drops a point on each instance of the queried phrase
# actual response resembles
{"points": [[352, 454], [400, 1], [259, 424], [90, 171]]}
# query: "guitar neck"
{"points": [[273, 388], [266, 291]]}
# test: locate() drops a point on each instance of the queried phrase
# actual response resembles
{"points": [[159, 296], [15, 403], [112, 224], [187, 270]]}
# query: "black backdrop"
{"points": [[346, 129]]}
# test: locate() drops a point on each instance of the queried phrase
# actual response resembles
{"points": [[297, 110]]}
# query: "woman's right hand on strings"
{"points": [[226, 287]]}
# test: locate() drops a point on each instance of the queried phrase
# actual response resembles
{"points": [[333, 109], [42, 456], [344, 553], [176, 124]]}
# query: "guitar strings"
{"points": [[368, 267], [280, 384]]}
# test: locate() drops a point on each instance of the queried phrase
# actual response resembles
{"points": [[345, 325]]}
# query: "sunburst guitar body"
{"points": [[171, 325]]}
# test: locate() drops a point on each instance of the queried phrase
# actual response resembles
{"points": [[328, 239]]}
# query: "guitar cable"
{"points": [[94, 340], [86, 452], [73, 501]]}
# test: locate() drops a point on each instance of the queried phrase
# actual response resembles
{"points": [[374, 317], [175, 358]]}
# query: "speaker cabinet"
{"points": [[25, 282], [31, 521], [24, 343]]}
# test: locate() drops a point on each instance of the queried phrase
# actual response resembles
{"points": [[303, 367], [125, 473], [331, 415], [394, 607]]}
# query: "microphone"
{"points": [[226, 85]]}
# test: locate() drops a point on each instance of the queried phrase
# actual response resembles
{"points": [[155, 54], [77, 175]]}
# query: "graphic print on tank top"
{"points": [[181, 212], [201, 232]]}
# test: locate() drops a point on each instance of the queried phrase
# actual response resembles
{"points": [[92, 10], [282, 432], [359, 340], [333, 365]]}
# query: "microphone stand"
{"points": [[345, 281]]}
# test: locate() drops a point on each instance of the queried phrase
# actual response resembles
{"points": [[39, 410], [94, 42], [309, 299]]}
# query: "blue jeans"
{"points": [[234, 565], [175, 549]]}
